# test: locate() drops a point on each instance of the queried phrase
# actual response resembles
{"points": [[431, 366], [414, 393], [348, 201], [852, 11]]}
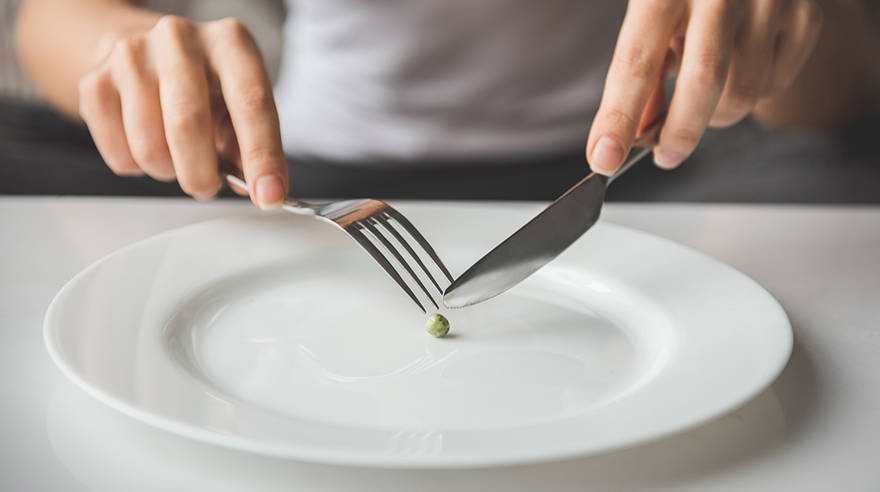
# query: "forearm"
{"points": [[840, 80], [59, 41]]}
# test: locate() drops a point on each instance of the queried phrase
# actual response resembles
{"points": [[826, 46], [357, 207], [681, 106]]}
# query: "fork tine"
{"points": [[383, 221], [390, 247], [411, 229], [371, 249]]}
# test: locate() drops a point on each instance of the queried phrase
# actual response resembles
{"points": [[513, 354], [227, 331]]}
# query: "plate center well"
{"points": [[344, 346]]}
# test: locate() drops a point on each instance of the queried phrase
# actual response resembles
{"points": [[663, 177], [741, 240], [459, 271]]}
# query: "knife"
{"points": [[545, 236]]}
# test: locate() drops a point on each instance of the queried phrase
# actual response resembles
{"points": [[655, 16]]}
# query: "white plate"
{"points": [[276, 335]]}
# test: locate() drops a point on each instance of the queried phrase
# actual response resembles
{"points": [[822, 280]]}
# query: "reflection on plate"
{"points": [[274, 334]]}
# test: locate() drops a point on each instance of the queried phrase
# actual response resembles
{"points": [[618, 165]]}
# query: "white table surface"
{"points": [[817, 428]]}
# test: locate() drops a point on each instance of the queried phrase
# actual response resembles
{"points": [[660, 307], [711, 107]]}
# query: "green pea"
{"points": [[437, 325]]}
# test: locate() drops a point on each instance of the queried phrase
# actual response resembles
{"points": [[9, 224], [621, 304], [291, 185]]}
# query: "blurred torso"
{"points": [[411, 80]]}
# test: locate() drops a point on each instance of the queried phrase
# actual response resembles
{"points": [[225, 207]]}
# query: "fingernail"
{"points": [[666, 160], [607, 156], [270, 192]]}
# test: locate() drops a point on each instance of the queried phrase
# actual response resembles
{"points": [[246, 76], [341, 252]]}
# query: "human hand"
{"points": [[165, 101], [730, 54]]}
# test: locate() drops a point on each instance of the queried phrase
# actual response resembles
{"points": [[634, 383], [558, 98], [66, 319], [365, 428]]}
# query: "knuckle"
{"points": [[177, 34], [129, 53], [232, 29], [186, 119], [257, 98], [174, 27], [637, 62], [129, 47], [709, 69], [684, 139], [617, 119], [260, 155]]}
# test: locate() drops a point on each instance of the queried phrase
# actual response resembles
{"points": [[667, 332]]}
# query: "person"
{"points": [[365, 82]]}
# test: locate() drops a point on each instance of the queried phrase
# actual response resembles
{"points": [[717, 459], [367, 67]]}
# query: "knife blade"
{"points": [[544, 237]]}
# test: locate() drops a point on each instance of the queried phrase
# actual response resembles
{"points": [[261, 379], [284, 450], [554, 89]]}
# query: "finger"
{"points": [[186, 108], [101, 110], [794, 46], [655, 109], [638, 63], [141, 108], [676, 48], [750, 64], [705, 61], [248, 94], [224, 134], [227, 144]]}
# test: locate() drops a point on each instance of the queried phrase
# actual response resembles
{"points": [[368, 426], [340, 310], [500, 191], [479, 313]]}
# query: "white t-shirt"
{"points": [[415, 80]]}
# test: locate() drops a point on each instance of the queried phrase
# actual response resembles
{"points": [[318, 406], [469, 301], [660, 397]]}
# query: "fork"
{"points": [[376, 227]]}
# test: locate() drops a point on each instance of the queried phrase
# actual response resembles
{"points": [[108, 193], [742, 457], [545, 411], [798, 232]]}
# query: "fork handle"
{"points": [[235, 177]]}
